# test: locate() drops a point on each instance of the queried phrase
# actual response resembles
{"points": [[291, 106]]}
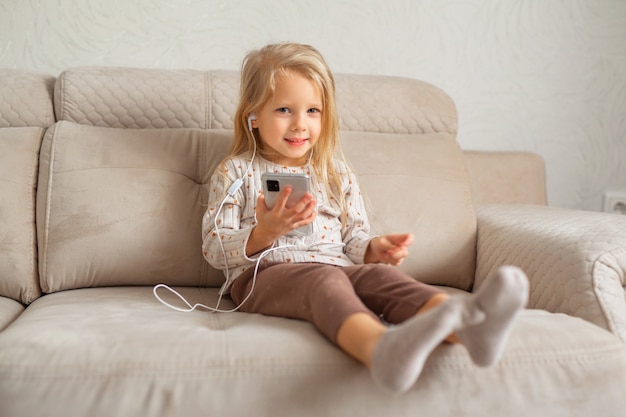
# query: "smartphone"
{"points": [[300, 185]]}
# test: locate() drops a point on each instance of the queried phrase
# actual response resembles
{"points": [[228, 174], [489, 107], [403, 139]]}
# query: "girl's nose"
{"points": [[299, 123]]}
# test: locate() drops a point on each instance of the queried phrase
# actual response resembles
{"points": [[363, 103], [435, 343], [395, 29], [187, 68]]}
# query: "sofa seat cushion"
{"points": [[19, 152], [118, 351], [9, 311]]}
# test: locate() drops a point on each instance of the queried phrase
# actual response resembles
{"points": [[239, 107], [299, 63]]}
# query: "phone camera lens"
{"points": [[272, 185]]}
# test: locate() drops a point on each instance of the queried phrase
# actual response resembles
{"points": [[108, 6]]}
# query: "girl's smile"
{"points": [[290, 122], [296, 141]]}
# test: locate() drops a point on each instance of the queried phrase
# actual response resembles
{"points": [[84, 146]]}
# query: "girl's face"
{"points": [[289, 123]]}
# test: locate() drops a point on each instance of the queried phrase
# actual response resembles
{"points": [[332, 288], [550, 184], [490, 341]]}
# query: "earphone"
{"points": [[251, 117]]}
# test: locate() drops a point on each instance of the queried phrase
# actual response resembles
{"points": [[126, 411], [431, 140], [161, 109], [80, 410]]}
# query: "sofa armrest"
{"points": [[575, 260]]}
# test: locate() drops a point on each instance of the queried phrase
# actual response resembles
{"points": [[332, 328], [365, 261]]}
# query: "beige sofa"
{"points": [[103, 184]]}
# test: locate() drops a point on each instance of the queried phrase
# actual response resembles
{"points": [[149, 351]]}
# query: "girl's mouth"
{"points": [[296, 141]]}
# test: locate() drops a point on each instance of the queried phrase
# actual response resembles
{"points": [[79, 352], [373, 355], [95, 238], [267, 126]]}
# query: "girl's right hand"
{"points": [[280, 220]]}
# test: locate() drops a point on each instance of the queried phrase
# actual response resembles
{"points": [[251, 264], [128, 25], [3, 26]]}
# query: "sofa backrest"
{"points": [[25, 111], [123, 176], [125, 171]]}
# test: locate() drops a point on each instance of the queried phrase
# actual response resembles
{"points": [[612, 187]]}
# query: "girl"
{"points": [[338, 278]]}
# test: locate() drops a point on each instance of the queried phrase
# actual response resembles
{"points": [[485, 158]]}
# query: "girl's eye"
{"points": [[282, 110], [314, 110]]}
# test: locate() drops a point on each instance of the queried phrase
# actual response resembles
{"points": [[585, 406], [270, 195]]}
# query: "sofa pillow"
{"points": [[418, 183], [19, 150], [124, 206]]}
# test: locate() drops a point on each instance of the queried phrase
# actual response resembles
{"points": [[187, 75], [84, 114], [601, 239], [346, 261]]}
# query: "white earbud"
{"points": [[250, 119]]}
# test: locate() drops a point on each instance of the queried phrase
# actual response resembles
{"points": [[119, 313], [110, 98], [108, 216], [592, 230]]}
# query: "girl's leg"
{"points": [[434, 301], [324, 296], [500, 299], [391, 293], [395, 355], [320, 294], [358, 336], [400, 354], [482, 321]]}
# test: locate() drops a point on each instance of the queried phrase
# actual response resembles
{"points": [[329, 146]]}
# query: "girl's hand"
{"points": [[390, 249], [280, 220]]}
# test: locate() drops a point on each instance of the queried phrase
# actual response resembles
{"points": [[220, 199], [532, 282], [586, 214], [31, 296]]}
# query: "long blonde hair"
{"points": [[259, 72]]}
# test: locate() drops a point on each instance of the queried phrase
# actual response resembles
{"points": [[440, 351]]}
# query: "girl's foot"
{"points": [[401, 352], [500, 298]]}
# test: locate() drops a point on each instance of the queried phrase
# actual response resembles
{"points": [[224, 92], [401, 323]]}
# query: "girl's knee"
{"points": [[329, 281]]}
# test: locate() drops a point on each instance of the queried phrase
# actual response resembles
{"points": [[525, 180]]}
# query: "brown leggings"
{"points": [[326, 295]]}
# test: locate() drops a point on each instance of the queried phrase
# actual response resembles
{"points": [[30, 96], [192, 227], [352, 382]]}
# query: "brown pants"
{"points": [[326, 295]]}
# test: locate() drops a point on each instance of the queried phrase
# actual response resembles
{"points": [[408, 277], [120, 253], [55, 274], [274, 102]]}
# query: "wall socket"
{"points": [[615, 202]]}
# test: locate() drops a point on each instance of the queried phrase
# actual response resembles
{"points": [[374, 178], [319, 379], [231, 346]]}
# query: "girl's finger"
{"points": [[281, 202]]}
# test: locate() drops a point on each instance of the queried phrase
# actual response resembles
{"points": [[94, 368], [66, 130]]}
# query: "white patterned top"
{"points": [[330, 243]]}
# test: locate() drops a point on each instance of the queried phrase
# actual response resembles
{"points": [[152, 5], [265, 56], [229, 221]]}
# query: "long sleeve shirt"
{"points": [[230, 219]]}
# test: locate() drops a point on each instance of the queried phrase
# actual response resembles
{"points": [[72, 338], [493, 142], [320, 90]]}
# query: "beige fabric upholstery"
{"points": [[19, 152], [25, 99], [506, 177], [9, 311], [153, 361], [142, 98], [124, 206], [427, 195], [368, 103], [575, 259], [25, 110], [139, 188], [179, 99], [145, 98]]}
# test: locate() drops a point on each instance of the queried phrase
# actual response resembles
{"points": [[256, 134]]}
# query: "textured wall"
{"points": [[547, 76]]}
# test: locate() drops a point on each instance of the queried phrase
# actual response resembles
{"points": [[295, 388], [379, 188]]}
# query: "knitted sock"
{"points": [[401, 352], [500, 298]]}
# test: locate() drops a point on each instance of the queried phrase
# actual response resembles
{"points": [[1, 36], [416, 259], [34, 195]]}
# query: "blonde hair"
{"points": [[259, 73]]}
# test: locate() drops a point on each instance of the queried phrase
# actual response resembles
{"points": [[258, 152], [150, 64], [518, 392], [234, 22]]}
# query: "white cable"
{"points": [[232, 190], [215, 309], [234, 187]]}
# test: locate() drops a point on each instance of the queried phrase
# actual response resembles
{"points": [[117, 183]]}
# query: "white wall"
{"points": [[547, 76]]}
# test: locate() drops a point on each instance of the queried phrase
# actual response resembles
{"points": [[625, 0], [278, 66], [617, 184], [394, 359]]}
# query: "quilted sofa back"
{"points": [[123, 175]]}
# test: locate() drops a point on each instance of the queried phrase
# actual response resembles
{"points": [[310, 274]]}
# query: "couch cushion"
{"points": [[9, 311], [427, 194], [118, 351], [25, 99], [19, 151], [124, 206]]}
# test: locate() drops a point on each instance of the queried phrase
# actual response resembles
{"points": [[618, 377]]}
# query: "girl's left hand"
{"points": [[389, 249]]}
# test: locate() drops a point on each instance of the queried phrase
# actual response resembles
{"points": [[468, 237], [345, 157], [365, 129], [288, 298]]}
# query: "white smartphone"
{"points": [[300, 185]]}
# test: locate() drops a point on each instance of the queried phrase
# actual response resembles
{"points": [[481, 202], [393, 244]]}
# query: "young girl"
{"points": [[338, 278]]}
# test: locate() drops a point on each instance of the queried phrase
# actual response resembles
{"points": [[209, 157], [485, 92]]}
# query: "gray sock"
{"points": [[402, 351], [501, 298]]}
